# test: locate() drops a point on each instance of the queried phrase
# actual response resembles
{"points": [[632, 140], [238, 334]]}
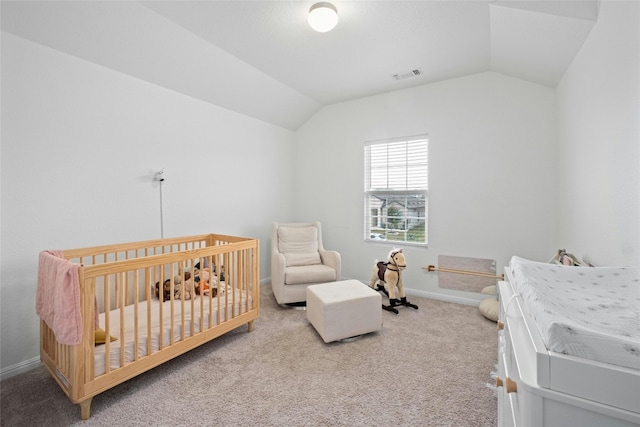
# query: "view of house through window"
{"points": [[396, 186]]}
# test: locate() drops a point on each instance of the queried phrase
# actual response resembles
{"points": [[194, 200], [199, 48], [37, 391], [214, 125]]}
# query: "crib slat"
{"points": [[136, 326], [121, 285], [107, 323], [172, 308], [149, 284], [161, 312]]}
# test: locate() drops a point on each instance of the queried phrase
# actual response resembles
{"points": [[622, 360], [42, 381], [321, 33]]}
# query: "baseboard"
{"points": [[266, 281], [436, 295], [443, 297], [19, 368]]}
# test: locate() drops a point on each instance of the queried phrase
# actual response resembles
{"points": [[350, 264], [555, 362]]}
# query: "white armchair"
{"points": [[298, 260]]}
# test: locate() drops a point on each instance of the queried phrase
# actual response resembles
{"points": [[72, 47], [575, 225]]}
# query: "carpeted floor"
{"points": [[426, 367]]}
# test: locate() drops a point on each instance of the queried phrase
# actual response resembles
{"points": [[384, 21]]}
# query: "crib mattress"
{"points": [[591, 313], [236, 303]]}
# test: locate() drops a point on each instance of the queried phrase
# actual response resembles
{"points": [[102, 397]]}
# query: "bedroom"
{"points": [[517, 167]]}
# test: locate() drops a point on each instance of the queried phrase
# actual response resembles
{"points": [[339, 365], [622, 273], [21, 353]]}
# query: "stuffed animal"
{"points": [[179, 291], [387, 276], [166, 290], [205, 282], [183, 291], [202, 288], [565, 258]]}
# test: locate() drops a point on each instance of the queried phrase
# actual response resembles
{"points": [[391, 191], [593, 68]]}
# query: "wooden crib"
{"points": [[120, 281]]}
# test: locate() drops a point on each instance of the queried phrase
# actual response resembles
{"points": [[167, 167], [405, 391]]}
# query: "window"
{"points": [[395, 193]]}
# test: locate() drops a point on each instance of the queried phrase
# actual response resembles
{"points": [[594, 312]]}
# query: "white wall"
{"points": [[80, 144], [599, 152], [492, 172]]}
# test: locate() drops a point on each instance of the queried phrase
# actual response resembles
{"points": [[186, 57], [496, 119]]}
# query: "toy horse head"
{"points": [[396, 257]]}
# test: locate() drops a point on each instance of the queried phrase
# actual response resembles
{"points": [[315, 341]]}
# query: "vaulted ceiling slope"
{"points": [[261, 59]]}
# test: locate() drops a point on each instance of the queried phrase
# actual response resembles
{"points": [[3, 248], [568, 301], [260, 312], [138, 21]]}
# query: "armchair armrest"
{"points": [[332, 259], [277, 269]]}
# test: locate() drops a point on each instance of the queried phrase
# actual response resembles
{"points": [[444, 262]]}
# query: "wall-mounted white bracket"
{"points": [[159, 176]]}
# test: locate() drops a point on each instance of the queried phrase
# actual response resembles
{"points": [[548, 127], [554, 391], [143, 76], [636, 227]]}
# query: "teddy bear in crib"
{"points": [[387, 276], [180, 290], [183, 290], [166, 290]]}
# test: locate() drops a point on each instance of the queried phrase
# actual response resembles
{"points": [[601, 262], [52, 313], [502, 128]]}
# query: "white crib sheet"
{"points": [[236, 300], [587, 312]]}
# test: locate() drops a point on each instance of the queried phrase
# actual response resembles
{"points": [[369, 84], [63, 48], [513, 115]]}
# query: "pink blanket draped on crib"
{"points": [[58, 297]]}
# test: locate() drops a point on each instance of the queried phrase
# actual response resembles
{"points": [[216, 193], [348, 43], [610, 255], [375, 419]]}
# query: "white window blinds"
{"points": [[396, 185], [399, 165]]}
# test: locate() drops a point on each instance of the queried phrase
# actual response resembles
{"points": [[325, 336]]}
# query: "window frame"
{"points": [[392, 192]]}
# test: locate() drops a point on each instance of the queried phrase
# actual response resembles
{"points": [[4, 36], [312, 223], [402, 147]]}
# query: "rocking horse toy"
{"points": [[390, 273]]}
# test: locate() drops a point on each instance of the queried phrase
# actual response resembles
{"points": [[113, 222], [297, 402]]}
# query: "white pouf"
{"points": [[343, 309], [490, 290]]}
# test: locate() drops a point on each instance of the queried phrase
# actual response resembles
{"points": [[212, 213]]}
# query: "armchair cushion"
{"points": [[297, 260], [309, 274], [299, 245]]}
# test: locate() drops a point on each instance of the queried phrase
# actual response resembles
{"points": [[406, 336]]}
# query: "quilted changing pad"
{"points": [[587, 312]]}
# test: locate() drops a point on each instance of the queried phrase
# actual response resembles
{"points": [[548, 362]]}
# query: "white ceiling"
{"points": [[260, 58]]}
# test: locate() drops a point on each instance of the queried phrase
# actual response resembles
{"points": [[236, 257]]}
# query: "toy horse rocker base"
{"points": [[390, 274]]}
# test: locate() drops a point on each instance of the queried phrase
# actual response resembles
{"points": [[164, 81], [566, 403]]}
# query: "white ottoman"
{"points": [[343, 309]]}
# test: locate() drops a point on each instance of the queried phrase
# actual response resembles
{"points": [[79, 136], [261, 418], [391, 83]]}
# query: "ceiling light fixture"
{"points": [[323, 17]]}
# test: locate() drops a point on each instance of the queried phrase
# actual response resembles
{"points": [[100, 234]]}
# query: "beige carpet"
{"points": [[428, 367]]}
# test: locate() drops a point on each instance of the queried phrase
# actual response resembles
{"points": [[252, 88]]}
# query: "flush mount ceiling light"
{"points": [[323, 17]]}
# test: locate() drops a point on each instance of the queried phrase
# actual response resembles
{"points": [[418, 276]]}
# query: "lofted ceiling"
{"points": [[261, 59]]}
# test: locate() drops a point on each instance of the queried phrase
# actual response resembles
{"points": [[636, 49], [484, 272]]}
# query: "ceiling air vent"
{"points": [[412, 73]]}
